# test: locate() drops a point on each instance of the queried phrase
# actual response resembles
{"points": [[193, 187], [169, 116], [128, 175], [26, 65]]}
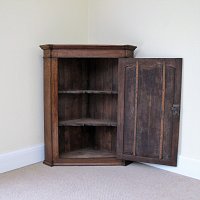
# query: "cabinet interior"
{"points": [[87, 107]]}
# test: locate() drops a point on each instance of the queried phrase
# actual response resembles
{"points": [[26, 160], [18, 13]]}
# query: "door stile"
{"points": [[135, 111], [162, 111], [54, 97], [120, 111], [177, 101]]}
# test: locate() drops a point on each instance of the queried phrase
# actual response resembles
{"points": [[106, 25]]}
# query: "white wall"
{"points": [[24, 25], [160, 28]]}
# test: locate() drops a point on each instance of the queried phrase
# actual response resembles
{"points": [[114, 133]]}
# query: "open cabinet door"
{"points": [[149, 94]]}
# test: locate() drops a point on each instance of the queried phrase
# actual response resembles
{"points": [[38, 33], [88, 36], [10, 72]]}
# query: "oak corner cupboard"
{"points": [[102, 106]]}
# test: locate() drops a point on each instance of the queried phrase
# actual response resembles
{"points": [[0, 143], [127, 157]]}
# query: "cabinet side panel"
{"points": [[47, 111]]}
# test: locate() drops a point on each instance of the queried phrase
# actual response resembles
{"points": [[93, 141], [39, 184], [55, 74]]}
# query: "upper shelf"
{"points": [[87, 122], [87, 92]]}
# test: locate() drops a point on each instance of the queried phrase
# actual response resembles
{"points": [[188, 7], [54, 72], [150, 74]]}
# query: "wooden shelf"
{"points": [[88, 153], [87, 122], [87, 92]]}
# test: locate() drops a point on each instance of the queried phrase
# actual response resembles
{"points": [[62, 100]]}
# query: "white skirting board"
{"points": [[186, 166], [21, 158]]}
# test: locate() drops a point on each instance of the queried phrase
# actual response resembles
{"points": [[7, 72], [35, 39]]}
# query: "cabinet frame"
{"points": [[125, 58], [52, 54]]}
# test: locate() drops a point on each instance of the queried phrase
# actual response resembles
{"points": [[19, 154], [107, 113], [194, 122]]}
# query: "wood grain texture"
{"points": [[89, 51], [88, 153], [159, 88], [99, 99], [47, 112], [135, 111], [177, 63], [87, 122], [101, 51], [129, 109], [54, 100], [87, 92], [120, 107], [81, 98], [149, 108], [86, 47], [163, 110]]}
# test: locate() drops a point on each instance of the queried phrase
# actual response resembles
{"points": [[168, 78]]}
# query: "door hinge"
{"points": [[176, 109]]}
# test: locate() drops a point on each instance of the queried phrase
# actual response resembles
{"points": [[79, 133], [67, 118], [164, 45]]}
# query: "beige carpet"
{"points": [[133, 182]]}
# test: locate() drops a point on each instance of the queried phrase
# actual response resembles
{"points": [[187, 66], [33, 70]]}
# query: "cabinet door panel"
{"points": [[148, 110]]}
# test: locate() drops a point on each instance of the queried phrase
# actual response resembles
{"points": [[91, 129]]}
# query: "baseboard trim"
{"points": [[21, 158], [186, 166]]}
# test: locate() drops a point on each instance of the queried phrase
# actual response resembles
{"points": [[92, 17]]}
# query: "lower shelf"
{"points": [[88, 153]]}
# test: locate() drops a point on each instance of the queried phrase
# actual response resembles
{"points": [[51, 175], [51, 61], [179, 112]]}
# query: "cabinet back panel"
{"points": [[72, 106], [72, 74], [97, 138], [105, 138], [103, 74], [88, 74], [103, 107], [74, 138]]}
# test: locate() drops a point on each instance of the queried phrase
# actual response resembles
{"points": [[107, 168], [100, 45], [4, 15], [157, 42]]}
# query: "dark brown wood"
{"points": [[86, 47], [87, 122], [83, 51], [149, 126], [47, 112], [103, 107], [88, 153], [81, 94], [86, 92], [54, 106]]}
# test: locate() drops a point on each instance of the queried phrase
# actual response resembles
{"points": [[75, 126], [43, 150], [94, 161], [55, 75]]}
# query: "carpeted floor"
{"points": [[133, 182]]}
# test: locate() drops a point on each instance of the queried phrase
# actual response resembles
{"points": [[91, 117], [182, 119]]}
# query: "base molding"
{"points": [[21, 158], [186, 166]]}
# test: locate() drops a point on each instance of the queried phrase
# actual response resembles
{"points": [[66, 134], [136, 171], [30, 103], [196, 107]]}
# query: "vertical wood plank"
{"points": [[177, 100], [149, 108], [120, 108], [129, 108], [163, 111], [135, 112], [47, 112], [54, 99]]}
